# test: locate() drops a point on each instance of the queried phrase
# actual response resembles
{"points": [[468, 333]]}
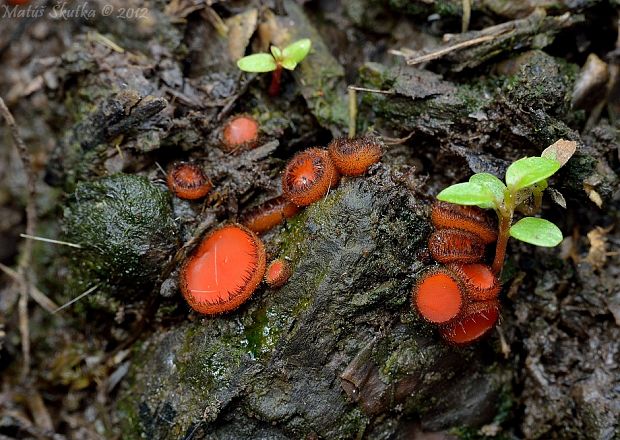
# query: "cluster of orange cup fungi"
{"points": [[460, 295], [230, 262]]}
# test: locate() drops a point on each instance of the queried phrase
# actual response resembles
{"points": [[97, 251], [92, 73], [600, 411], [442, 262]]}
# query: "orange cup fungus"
{"points": [[475, 321], [188, 181], [454, 245], [269, 214], [479, 281], [462, 297], [438, 296], [308, 176], [240, 133], [278, 272], [467, 218], [353, 157], [223, 272]]}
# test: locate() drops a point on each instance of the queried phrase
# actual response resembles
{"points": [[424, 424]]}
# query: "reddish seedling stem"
{"points": [[274, 88], [502, 243]]}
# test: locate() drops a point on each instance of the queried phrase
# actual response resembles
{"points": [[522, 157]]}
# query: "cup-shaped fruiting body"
{"points": [[188, 181], [476, 320], [269, 214], [480, 282], [308, 176], [455, 245], [354, 156], [240, 133], [467, 218], [278, 272], [224, 270], [438, 296]]}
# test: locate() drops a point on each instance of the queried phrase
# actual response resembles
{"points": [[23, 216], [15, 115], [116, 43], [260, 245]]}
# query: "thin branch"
{"points": [[50, 240], [445, 50], [31, 215], [38, 296], [352, 112], [466, 15], [77, 298], [365, 89]]}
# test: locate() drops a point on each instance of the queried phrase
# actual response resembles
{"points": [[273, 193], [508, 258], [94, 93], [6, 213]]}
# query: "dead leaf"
{"points": [[557, 197], [241, 27], [561, 150], [593, 195], [597, 255]]}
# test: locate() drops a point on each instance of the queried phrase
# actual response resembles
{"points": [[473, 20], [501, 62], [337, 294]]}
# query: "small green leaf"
{"points": [[276, 52], [536, 231], [529, 170], [492, 184], [467, 193], [297, 51], [259, 62], [289, 65]]}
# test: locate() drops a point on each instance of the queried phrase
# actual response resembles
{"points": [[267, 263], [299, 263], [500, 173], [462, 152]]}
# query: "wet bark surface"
{"points": [[105, 106]]}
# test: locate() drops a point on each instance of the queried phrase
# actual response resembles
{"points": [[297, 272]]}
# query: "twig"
{"points": [[445, 50], [397, 141], [31, 215], [50, 240], [466, 15], [77, 298], [38, 296], [352, 112], [365, 89]]}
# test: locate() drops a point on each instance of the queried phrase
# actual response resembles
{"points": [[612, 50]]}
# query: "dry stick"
{"points": [[352, 112], [445, 50], [38, 296], [353, 105], [466, 15], [31, 215], [77, 298], [50, 240]]}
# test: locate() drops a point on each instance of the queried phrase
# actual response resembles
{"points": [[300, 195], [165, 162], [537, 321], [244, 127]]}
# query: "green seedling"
{"points": [[525, 182], [286, 58]]}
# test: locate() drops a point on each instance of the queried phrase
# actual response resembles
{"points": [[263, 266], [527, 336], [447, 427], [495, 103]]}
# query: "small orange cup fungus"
{"points": [[480, 282], [475, 321], [188, 181], [278, 272], [437, 296], [240, 133], [223, 272], [455, 245], [308, 176], [353, 157], [269, 214], [467, 218]]}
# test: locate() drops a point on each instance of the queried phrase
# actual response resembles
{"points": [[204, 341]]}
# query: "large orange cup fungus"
{"points": [[438, 296], [308, 176], [353, 157], [269, 214], [455, 245], [240, 133], [278, 272], [480, 282], [223, 272], [467, 218], [475, 321], [188, 181]]}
